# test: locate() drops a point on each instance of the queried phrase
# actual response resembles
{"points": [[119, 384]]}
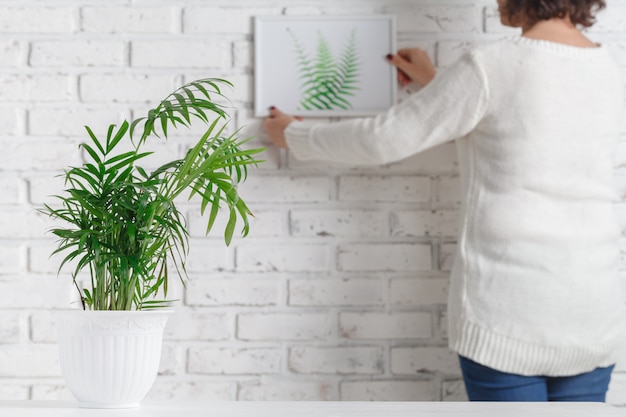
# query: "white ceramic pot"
{"points": [[110, 359]]}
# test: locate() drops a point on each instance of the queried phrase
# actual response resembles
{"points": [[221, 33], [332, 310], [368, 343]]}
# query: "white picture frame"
{"points": [[347, 53]]}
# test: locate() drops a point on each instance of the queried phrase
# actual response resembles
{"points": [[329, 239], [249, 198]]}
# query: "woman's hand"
{"points": [[276, 124], [413, 65]]}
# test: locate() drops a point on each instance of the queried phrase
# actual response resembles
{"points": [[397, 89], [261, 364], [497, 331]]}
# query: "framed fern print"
{"points": [[324, 66]]}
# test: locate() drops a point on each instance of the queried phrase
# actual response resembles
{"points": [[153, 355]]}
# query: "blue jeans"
{"points": [[486, 384]]}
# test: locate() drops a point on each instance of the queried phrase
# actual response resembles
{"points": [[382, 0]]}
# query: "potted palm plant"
{"points": [[121, 225]]}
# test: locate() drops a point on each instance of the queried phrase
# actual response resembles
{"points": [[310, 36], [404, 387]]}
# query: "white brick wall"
{"points": [[338, 293]]}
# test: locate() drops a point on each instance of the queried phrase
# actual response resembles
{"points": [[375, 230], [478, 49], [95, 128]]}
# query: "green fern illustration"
{"points": [[327, 83]]}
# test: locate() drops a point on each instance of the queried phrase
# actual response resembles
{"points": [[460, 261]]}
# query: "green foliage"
{"points": [[327, 83], [122, 222]]}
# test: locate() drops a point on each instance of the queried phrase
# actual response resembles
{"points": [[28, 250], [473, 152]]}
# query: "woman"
{"points": [[534, 305]]}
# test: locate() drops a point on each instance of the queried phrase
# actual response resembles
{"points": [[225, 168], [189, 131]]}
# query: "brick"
{"points": [[36, 293], [398, 189], [351, 360], [418, 291], [223, 20], [448, 52], [387, 390], [281, 390], [610, 20], [263, 223], [88, 53], [63, 121], [13, 327], [280, 189], [9, 120], [350, 223], [385, 257], [43, 327], [173, 360], [448, 192], [14, 392], [436, 19], [10, 53], [618, 51], [166, 390], [12, 259], [282, 258], [405, 325], [424, 360], [37, 19], [205, 257], [133, 19], [23, 224], [51, 392], [198, 325], [492, 23], [228, 361], [27, 361], [180, 54], [335, 292], [284, 326], [36, 87], [232, 292], [11, 190], [447, 254], [97, 88], [242, 54], [31, 155], [453, 391], [425, 223]]}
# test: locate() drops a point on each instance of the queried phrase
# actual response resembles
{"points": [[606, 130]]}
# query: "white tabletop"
{"points": [[314, 409]]}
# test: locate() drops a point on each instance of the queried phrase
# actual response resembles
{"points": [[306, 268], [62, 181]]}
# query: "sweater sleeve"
{"points": [[449, 107]]}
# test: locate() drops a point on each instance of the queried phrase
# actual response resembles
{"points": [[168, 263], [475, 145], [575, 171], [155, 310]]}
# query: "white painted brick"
{"points": [[165, 390], [385, 257], [282, 258], [425, 223], [242, 54], [229, 361], [25, 360], [36, 19], [11, 190], [453, 391], [263, 223], [9, 120], [173, 360], [447, 254], [41, 260], [135, 19], [180, 54], [206, 257], [14, 392], [12, 258], [232, 292], [71, 122], [280, 189], [443, 324], [387, 390], [493, 24], [351, 360], [198, 325], [611, 20], [350, 223], [24, 223], [436, 19], [10, 52], [424, 360], [284, 326], [448, 52], [448, 191], [13, 327], [282, 390], [334, 292], [125, 88], [418, 291], [43, 327], [51, 392], [29, 155], [223, 20], [88, 53], [36, 87], [400, 325], [617, 390], [36, 293], [409, 189]]}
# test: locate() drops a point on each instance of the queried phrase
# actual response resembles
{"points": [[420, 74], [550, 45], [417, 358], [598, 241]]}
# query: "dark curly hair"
{"points": [[581, 12]]}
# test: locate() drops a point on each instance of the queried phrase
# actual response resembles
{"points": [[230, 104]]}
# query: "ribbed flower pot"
{"points": [[110, 359]]}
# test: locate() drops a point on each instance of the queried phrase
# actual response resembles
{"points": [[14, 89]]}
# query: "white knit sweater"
{"points": [[534, 287]]}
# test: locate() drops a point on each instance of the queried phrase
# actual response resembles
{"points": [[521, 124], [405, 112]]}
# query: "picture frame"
{"points": [[324, 66]]}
